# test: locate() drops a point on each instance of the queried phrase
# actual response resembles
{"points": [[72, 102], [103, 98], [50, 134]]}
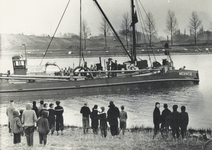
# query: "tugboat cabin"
{"points": [[19, 65]]}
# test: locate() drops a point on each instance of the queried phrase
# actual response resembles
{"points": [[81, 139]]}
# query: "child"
{"points": [[16, 127], [123, 118], [103, 122], [43, 127]]}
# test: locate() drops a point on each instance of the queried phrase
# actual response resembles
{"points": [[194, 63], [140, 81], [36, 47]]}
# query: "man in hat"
{"points": [[9, 113], [112, 115], [85, 111]]}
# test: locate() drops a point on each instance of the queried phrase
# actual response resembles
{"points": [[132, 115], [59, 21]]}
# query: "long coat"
{"points": [[9, 113], [113, 115], [16, 125], [156, 116]]}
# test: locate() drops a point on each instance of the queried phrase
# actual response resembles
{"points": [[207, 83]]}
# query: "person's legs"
{"points": [[173, 132], [177, 132], [45, 138], [123, 126], [183, 132], [14, 138], [156, 129], [61, 125], [105, 132], [27, 135], [113, 130], [40, 138], [84, 124], [116, 129], [9, 127], [87, 124], [18, 137], [31, 135]]}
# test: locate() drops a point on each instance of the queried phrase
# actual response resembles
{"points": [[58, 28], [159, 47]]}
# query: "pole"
{"points": [[133, 28], [80, 52]]}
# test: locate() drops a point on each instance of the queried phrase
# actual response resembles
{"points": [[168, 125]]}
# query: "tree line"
{"points": [[148, 29]]}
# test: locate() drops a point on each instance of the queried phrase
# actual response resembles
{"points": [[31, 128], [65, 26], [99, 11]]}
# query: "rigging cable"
{"points": [[81, 55], [143, 27], [147, 36], [55, 31], [120, 44], [152, 25]]}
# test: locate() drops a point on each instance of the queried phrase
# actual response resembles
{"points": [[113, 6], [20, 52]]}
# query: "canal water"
{"points": [[139, 106]]}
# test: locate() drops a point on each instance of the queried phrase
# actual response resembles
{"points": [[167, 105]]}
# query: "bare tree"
{"points": [[171, 24], [105, 29], [125, 26], [194, 24], [85, 32], [150, 27]]}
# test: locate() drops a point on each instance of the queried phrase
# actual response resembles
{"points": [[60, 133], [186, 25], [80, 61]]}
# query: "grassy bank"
{"points": [[136, 138]]}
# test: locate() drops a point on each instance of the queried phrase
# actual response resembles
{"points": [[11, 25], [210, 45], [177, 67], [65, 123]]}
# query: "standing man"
{"points": [[59, 117], [165, 118], [103, 122], [40, 107], [9, 113], [85, 111], [175, 122], [34, 107], [94, 119], [123, 119], [51, 118], [183, 121], [156, 119], [112, 116]]}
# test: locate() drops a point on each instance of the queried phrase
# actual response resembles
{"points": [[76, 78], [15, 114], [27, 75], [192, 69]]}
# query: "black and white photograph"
{"points": [[105, 74]]}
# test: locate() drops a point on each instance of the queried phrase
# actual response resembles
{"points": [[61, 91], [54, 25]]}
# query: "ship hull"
{"points": [[117, 85]]}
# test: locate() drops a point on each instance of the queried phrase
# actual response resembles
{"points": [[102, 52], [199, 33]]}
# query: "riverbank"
{"points": [[134, 138]]}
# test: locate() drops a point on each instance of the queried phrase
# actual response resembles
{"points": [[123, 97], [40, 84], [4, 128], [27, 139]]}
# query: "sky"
{"points": [[38, 17]]}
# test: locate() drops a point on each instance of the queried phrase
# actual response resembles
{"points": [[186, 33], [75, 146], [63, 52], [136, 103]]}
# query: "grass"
{"points": [[135, 138]]}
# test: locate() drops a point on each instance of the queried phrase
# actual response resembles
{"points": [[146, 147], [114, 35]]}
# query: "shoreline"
{"points": [[109, 55], [135, 138]]}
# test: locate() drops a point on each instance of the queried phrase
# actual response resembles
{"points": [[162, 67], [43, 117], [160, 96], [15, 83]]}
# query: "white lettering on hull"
{"points": [[185, 73]]}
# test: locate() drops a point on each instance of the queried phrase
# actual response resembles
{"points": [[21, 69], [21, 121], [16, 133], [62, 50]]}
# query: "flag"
{"points": [[134, 18]]}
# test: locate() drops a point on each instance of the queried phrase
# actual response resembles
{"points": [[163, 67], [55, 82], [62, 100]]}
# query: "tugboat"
{"points": [[137, 77]]}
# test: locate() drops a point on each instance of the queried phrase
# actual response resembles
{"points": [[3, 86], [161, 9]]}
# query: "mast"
{"points": [[80, 52], [133, 28], [131, 58]]}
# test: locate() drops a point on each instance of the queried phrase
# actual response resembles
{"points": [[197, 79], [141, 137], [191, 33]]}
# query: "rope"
{"points": [[152, 25], [112, 32], [149, 37], [143, 27], [55, 32]]}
